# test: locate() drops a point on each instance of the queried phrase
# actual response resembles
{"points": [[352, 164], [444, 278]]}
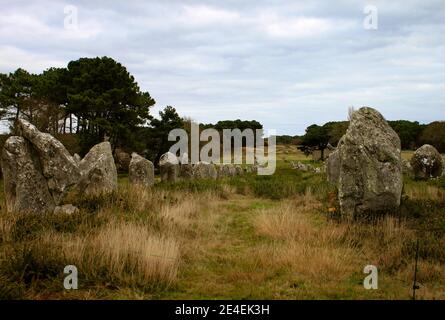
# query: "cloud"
{"points": [[285, 63]]}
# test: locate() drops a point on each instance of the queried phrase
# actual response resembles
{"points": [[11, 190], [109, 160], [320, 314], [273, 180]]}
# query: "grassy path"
{"points": [[216, 263]]}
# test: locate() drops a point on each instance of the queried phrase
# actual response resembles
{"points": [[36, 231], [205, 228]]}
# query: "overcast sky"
{"points": [[287, 64]]}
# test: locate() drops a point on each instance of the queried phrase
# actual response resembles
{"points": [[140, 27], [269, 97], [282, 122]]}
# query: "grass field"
{"points": [[248, 237]]}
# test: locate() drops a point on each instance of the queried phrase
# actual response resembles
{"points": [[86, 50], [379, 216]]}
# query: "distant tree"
{"points": [[106, 101], [51, 90], [408, 131], [286, 139], [160, 128], [17, 95], [434, 134], [235, 124], [336, 130], [316, 137], [37, 98]]}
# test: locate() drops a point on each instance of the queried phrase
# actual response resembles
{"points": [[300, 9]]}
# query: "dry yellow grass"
{"points": [[224, 244], [309, 250], [424, 192], [128, 253], [289, 220], [320, 250]]}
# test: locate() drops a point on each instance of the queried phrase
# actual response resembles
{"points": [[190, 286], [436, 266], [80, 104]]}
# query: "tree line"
{"points": [[412, 135], [92, 100], [97, 99]]}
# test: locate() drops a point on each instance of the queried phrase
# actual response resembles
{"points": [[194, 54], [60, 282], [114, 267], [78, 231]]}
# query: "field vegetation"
{"points": [[246, 237]]}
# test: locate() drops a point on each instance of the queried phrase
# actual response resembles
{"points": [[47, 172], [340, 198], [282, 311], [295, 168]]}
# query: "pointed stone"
{"points": [[26, 189], [59, 168], [99, 174], [141, 171]]}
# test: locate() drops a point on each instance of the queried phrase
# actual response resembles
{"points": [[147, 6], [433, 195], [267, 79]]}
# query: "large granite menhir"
{"points": [[26, 189], [59, 168], [370, 167]]}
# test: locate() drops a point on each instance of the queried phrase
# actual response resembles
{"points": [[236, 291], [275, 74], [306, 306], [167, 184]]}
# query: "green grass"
{"points": [[246, 237]]}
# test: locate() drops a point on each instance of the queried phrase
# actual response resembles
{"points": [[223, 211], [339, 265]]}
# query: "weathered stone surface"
{"points": [[407, 168], [59, 168], [99, 174], [66, 209], [186, 171], [122, 160], [239, 170], [221, 171], [204, 170], [26, 189], [230, 169], [333, 167], [77, 158], [370, 177], [427, 163], [141, 171], [169, 167], [300, 166]]}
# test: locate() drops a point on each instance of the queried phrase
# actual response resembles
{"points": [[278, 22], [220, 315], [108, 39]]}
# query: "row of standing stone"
{"points": [[173, 169], [38, 171]]}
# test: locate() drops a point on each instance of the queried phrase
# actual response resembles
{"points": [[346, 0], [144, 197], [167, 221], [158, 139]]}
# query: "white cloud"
{"points": [[12, 58], [202, 16], [285, 63], [295, 28]]}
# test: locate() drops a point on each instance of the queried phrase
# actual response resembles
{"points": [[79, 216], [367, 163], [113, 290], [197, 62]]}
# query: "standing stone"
{"points": [[122, 160], [169, 167], [333, 167], [186, 171], [221, 172], [370, 177], [141, 171], [231, 170], [58, 166], [427, 163], [99, 174], [239, 170], [204, 170], [26, 189], [212, 173]]}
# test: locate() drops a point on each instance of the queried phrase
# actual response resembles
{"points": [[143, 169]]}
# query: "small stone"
{"points": [[66, 209], [427, 163], [141, 171]]}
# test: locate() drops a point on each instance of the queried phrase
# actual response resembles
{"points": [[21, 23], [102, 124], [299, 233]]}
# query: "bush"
{"points": [[434, 134]]}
